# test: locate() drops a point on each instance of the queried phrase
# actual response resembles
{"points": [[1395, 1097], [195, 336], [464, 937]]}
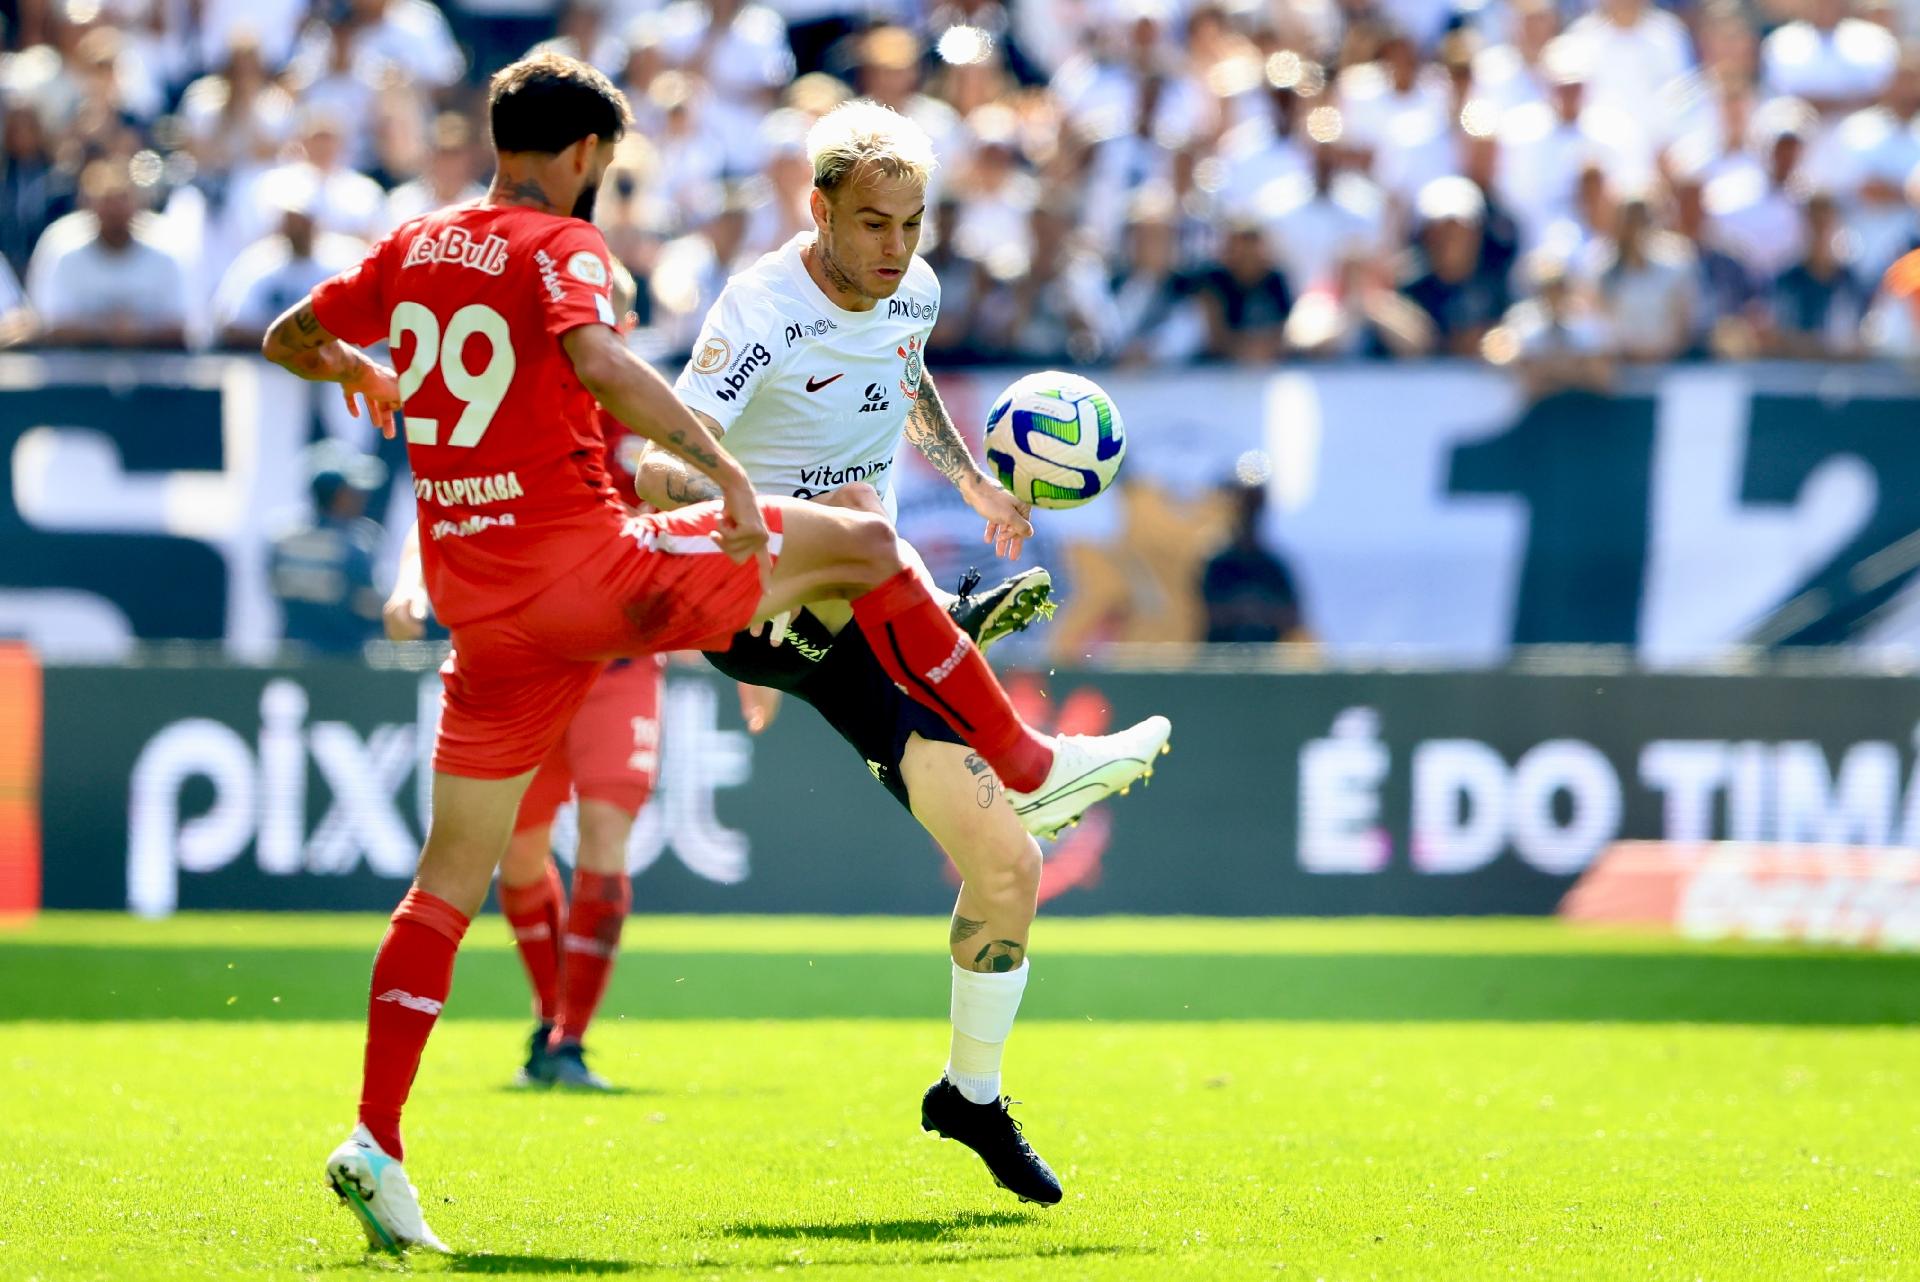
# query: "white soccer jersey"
{"points": [[812, 396]]}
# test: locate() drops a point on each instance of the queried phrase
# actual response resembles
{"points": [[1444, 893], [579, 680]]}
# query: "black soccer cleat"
{"points": [[1003, 609], [538, 1070], [990, 1131], [567, 1067]]}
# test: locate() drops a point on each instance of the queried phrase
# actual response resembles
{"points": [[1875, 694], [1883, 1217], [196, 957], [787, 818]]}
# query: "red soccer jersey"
{"points": [[505, 444]]}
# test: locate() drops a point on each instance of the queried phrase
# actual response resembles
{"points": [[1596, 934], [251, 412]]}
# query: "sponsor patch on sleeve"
{"points": [[713, 355], [586, 266]]}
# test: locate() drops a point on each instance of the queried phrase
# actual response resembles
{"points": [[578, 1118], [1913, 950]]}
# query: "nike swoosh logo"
{"points": [[815, 384]]}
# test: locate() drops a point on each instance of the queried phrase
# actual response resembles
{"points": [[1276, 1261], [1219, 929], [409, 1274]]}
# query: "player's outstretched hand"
{"points": [[405, 616], [758, 707], [1007, 525], [378, 388], [743, 530]]}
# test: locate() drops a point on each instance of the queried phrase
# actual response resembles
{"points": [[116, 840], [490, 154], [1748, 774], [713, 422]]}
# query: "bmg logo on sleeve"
{"points": [[757, 359]]}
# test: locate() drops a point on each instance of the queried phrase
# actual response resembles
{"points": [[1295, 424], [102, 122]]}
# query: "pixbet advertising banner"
{"points": [[1424, 508], [1286, 793]]}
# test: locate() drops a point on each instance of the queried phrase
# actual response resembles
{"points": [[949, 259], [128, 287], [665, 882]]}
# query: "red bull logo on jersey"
{"points": [[456, 245]]}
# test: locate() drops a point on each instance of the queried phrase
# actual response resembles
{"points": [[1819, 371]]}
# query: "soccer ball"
{"points": [[1055, 440]]}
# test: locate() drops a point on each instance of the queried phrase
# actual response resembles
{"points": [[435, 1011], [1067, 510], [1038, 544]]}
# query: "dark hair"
{"points": [[546, 102]]}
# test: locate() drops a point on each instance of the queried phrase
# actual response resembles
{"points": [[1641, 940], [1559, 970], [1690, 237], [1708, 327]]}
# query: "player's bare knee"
{"points": [[604, 829], [526, 858], [878, 549], [858, 496], [1006, 874], [605, 855]]}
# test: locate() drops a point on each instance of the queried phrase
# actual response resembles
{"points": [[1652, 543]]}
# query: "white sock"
{"points": [[983, 1009]]}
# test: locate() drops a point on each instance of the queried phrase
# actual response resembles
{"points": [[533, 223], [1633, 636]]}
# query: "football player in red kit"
{"points": [[608, 758], [499, 317]]}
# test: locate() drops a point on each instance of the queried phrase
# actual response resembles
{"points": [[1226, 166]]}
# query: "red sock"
{"points": [[600, 905], [928, 656], [535, 912], [412, 974]]}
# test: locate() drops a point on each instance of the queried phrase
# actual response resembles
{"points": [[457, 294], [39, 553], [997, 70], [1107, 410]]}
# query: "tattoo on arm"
{"points": [[964, 928], [299, 343], [678, 481], [692, 449], [685, 486], [1000, 956], [932, 432]]}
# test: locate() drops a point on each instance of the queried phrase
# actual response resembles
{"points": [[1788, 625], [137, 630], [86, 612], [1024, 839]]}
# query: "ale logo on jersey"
{"points": [[910, 376], [876, 399], [712, 356], [757, 359]]}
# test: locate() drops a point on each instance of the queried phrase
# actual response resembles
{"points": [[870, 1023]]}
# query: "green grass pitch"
{"points": [[1360, 1099]]}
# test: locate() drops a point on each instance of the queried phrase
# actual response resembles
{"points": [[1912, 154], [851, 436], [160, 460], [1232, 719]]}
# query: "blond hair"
{"points": [[861, 135]]}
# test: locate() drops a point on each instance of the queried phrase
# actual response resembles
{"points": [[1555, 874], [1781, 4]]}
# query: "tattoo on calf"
{"points": [[965, 928], [1000, 956]]}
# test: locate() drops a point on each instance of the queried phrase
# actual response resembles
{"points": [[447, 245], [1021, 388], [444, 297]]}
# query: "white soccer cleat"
{"points": [[1088, 768], [377, 1189]]}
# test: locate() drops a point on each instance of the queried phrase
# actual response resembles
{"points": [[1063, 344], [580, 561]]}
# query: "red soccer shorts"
{"points": [[514, 681], [611, 749]]}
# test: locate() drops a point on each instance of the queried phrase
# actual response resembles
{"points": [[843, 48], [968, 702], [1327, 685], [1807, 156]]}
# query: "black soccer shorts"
{"points": [[839, 676]]}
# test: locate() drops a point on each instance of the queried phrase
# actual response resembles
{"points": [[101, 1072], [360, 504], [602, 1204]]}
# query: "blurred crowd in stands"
{"points": [[1122, 181], [1556, 187]]}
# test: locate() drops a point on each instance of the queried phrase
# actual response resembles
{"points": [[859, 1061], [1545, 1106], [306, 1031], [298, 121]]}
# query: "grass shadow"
{"points": [[566, 1092], [313, 983], [918, 1230], [487, 1262]]}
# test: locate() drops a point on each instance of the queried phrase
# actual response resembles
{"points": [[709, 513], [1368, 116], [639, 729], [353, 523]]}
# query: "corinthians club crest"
{"points": [[910, 376]]}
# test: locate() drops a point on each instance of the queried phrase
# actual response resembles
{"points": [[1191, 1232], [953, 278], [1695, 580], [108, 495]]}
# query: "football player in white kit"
{"points": [[812, 363]]}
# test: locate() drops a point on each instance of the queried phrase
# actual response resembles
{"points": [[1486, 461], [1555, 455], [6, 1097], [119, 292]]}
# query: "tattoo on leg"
{"points": [[1000, 956], [964, 928], [988, 783]]}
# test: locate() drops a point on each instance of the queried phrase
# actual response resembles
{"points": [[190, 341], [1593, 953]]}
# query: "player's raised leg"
{"points": [[412, 975], [956, 797], [829, 552]]}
